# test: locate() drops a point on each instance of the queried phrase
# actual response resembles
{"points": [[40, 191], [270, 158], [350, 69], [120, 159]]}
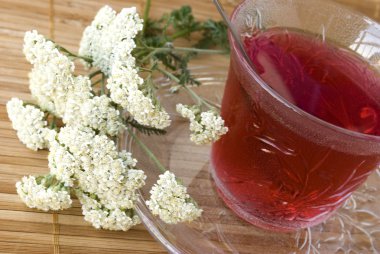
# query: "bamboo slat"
{"points": [[24, 230]]}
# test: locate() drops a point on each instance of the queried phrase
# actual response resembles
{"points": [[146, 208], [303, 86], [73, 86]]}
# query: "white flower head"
{"points": [[41, 88], [97, 113], [124, 85], [104, 171], [109, 41], [39, 51], [35, 194], [62, 164], [171, 202], [146, 112], [128, 160], [30, 124], [75, 97], [52, 81], [110, 36], [91, 42], [124, 79], [107, 118], [101, 217], [205, 127]]}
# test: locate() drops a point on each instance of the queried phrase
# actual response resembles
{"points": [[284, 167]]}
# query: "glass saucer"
{"points": [[355, 228]]}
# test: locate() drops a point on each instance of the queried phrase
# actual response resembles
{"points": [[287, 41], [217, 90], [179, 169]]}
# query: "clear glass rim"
{"points": [[282, 100]]}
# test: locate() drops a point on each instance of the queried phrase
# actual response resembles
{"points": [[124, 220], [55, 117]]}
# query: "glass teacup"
{"points": [[280, 167]]}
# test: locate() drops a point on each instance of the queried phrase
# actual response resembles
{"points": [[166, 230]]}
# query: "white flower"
{"points": [[30, 124], [63, 164], [39, 51], [109, 42], [91, 39], [108, 174], [41, 89], [127, 158], [187, 112], [110, 36], [145, 112], [100, 217], [97, 113], [35, 194], [124, 85], [75, 97], [171, 202], [52, 90], [100, 115], [124, 79], [94, 112], [205, 127], [52, 81]]}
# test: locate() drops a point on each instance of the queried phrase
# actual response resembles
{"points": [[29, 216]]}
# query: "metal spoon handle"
{"points": [[233, 31]]}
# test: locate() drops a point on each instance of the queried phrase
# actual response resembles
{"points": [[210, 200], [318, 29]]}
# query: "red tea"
{"points": [[268, 173]]}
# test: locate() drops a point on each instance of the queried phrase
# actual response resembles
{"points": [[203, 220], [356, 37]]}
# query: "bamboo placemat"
{"points": [[24, 230]]}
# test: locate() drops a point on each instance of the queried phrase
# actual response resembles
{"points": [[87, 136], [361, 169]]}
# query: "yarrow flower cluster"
{"points": [[105, 179], [62, 163], [97, 113], [110, 36], [76, 121], [58, 91], [43, 193], [51, 80], [205, 127], [124, 85], [30, 124], [103, 171], [171, 202], [109, 42], [101, 217]]}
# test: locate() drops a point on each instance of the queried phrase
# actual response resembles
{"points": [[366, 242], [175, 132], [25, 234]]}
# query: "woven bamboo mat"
{"points": [[24, 230]]}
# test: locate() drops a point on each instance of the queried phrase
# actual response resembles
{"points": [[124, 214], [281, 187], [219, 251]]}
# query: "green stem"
{"points": [[93, 74], [147, 151], [96, 82], [180, 34], [216, 105], [48, 180], [150, 55], [31, 104], [201, 51], [198, 98], [155, 159], [169, 75], [142, 69], [185, 49], [146, 14], [102, 89], [69, 53], [53, 123], [179, 49], [138, 54], [193, 94]]}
